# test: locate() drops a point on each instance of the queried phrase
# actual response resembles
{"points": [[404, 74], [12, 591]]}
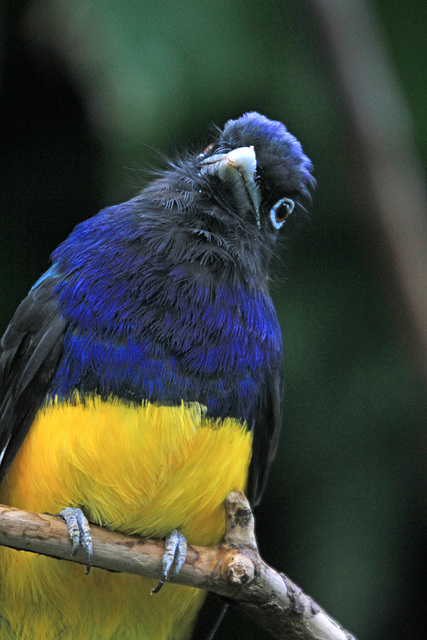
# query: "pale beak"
{"points": [[237, 170]]}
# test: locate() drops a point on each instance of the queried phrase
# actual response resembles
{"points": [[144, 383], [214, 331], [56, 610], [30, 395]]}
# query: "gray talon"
{"points": [[79, 532], [173, 557]]}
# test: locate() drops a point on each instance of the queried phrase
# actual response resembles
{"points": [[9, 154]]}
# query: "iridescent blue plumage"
{"points": [[280, 157], [134, 334]]}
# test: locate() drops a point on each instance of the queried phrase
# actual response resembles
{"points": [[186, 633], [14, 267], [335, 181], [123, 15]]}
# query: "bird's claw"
{"points": [[79, 532], [173, 557]]}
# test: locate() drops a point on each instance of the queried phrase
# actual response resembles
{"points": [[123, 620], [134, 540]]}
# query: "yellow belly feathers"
{"points": [[137, 469]]}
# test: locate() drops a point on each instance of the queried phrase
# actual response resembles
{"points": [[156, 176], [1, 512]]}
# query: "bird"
{"points": [[141, 382]]}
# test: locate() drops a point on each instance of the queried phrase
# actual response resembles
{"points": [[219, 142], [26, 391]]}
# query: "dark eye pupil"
{"points": [[282, 212]]}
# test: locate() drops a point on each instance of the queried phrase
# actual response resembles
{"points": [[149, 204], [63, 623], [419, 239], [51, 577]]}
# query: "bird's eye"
{"points": [[281, 210]]}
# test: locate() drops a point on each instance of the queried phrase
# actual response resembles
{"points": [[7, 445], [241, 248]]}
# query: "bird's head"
{"points": [[259, 168], [227, 204]]}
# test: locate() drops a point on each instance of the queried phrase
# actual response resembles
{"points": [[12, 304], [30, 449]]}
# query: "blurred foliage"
{"points": [[89, 92]]}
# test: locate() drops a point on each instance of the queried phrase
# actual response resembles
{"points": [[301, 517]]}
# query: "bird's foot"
{"points": [[79, 532], [173, 557]]}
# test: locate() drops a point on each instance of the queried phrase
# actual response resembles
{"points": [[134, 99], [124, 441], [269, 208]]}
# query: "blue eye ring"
{"points": [[280, 212]]}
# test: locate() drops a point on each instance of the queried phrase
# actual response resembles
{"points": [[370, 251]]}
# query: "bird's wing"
{"points": [[29, 352], [266, 436]]}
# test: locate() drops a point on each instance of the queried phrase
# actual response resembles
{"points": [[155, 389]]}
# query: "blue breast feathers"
{"points": [[148, 320]]}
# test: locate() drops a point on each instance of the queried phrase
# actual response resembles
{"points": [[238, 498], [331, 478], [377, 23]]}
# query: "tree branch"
{"points": [[233, 569]]}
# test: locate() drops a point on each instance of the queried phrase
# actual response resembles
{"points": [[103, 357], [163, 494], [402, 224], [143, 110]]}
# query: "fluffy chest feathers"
{"points": [[162, 312]]}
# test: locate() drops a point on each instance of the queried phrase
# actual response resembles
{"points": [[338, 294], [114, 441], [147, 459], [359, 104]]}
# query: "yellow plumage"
{"points": [[137, 469]]}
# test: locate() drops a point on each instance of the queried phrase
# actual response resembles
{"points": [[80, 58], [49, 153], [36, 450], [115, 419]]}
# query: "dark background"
{"points": [[90, 91]]}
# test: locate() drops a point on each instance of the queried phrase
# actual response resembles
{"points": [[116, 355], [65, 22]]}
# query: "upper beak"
{"points": [[237, 170]]}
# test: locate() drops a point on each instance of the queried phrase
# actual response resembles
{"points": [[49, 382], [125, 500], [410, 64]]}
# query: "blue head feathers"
{"points": [[280, 158]]}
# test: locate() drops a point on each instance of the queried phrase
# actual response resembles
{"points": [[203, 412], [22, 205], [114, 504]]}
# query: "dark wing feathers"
{"points": [[29, 352], [266, 437]]}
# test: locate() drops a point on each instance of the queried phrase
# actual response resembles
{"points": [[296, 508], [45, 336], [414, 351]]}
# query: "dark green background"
{"points": [[89, 92]]}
